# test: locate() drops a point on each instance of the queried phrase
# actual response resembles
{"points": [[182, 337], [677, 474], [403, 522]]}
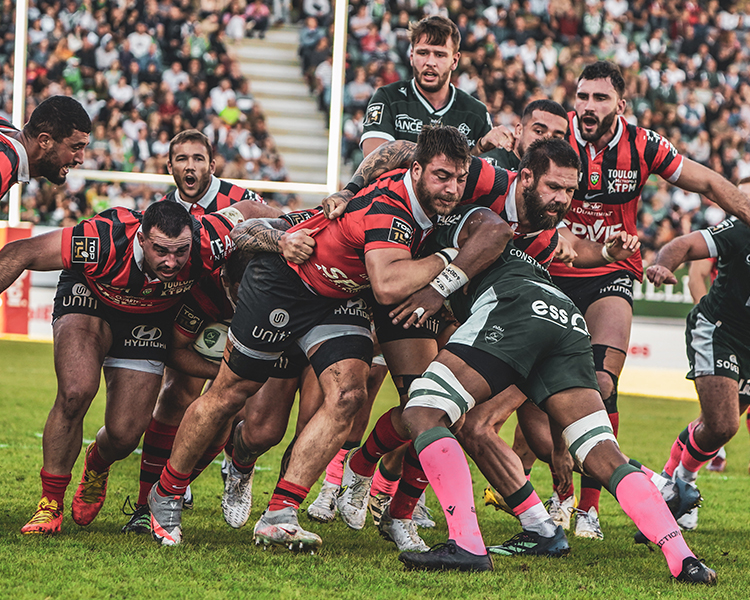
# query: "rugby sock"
{"points": [[207, 458], [381, 441], [529, 509], [675, 454], [172, 482], [335, 468], [413, 483], [157, 446], [643, 503], [94, 460], [445, 465], [693, 458], [561, 494], [656, 478], [591, 490], [527, 474], [287, 494], [54, 486], [384, 482]]}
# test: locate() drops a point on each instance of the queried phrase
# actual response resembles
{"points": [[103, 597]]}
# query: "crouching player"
{"points": [[519, 329]]}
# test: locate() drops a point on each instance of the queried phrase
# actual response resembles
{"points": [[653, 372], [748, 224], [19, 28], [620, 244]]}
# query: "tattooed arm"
{"points": [[388, 156], [269, 235]]}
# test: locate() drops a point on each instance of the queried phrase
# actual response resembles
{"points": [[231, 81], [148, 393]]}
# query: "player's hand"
{"points": [[335, 204], [562, 463], [297, 246], [622, 245], [498, 137], [657, 274], [417, 308], [564, 251]]}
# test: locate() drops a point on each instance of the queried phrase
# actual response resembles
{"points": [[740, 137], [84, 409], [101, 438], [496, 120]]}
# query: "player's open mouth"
{"points": [[590, 121], [190, 180]]}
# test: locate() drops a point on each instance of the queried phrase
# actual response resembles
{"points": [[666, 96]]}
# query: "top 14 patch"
{"points": [[400, 232], [374, 114], [84, 249]]}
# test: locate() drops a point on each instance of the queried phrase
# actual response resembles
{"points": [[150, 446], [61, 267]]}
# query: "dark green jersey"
{"points": [[512, 267], [399, 111], [728, 300], [500, 157]]}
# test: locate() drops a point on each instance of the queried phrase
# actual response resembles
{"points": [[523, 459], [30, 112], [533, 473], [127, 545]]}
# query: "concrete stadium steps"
{"points": [[292, 114]]}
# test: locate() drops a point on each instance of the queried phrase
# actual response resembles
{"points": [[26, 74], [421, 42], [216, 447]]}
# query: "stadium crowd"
{"points": [[684, 65], [144, 71]]}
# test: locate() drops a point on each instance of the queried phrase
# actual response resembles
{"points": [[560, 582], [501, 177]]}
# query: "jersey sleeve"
{"points": [[387, 226], [8, 165], [216, 243], [87, 247], [662, 157], [485, 183], [726, 238], [378, 118]]}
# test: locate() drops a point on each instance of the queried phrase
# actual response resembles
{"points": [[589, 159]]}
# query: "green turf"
{"points": [[218, 562]]}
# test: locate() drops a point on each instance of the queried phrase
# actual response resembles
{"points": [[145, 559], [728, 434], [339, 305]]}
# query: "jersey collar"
{"points": [[207, 198], [612, 143], [139, 258], [429, 106], [511, 208], [23, 158], [416, 208]]}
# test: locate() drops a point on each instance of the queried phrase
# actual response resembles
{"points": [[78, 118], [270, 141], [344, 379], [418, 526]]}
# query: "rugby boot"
{"points": [[237, 500], [587, 524], [323, 508], [493, 498], [694, 571], [188, 500], [681, 497], [377, 505], [353, 495], [166, 517], [530, 543], [446, 557], [140, 519], [422, 516], [402, 532], [281, 528], [561, 510], [47, 519], [91, 492]]}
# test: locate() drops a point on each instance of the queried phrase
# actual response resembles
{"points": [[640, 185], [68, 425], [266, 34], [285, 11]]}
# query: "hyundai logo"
{"points": [[146, 333]]}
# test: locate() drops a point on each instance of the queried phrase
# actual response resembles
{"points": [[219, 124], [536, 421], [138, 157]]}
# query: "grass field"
{"points": [[218, 562]]}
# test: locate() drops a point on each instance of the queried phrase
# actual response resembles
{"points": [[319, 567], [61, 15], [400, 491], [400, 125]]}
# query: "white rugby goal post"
{"points": [[334, 128]]}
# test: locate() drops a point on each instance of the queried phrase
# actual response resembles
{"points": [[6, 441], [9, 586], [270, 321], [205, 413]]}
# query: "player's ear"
{"points": [[44, 140], [212, 167]]}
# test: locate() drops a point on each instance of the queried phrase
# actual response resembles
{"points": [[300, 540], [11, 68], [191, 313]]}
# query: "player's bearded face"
{"points": [[440, 202], [53, 165], [589, 119], [432, 65], [191, 169], [541, 214]]}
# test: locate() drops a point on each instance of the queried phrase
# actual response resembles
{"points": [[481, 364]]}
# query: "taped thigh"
{"points": [[439, 388], [585, 433]]}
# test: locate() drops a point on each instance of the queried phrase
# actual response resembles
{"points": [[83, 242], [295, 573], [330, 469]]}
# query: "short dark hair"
{"points": [[541, 153], [437, 30], [544, 105], [170, 217], [439, 139], [191, 135], [603, 69], [59, 116]]}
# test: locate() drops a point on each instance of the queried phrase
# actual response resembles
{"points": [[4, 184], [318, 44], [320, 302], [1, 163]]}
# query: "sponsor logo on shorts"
{"points": [[84, 250], [279, 317], [550, 311], [188, 320], [400, 232], [374, 114], [80, 290], [494, 335], [407, 124], [728, 365], [724, 225], [621, 285], [745, 387], [270, 337], [356, 307], [145, 336]]}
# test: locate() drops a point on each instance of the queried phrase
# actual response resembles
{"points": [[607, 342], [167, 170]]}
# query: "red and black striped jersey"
{"points": [[10, 160], [610, 186], [385, 214], [106, 250], [207, 302], [220, 194], [491, 187]]}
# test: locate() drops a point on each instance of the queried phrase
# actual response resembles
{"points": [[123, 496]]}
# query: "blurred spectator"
{"points": [[258, 16]]}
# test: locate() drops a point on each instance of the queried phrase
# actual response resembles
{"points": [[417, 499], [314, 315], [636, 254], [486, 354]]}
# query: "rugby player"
{"points": [[617, 160], [50, 144], [315, 305], [717, 334], [123, 274], [519, 329]]}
